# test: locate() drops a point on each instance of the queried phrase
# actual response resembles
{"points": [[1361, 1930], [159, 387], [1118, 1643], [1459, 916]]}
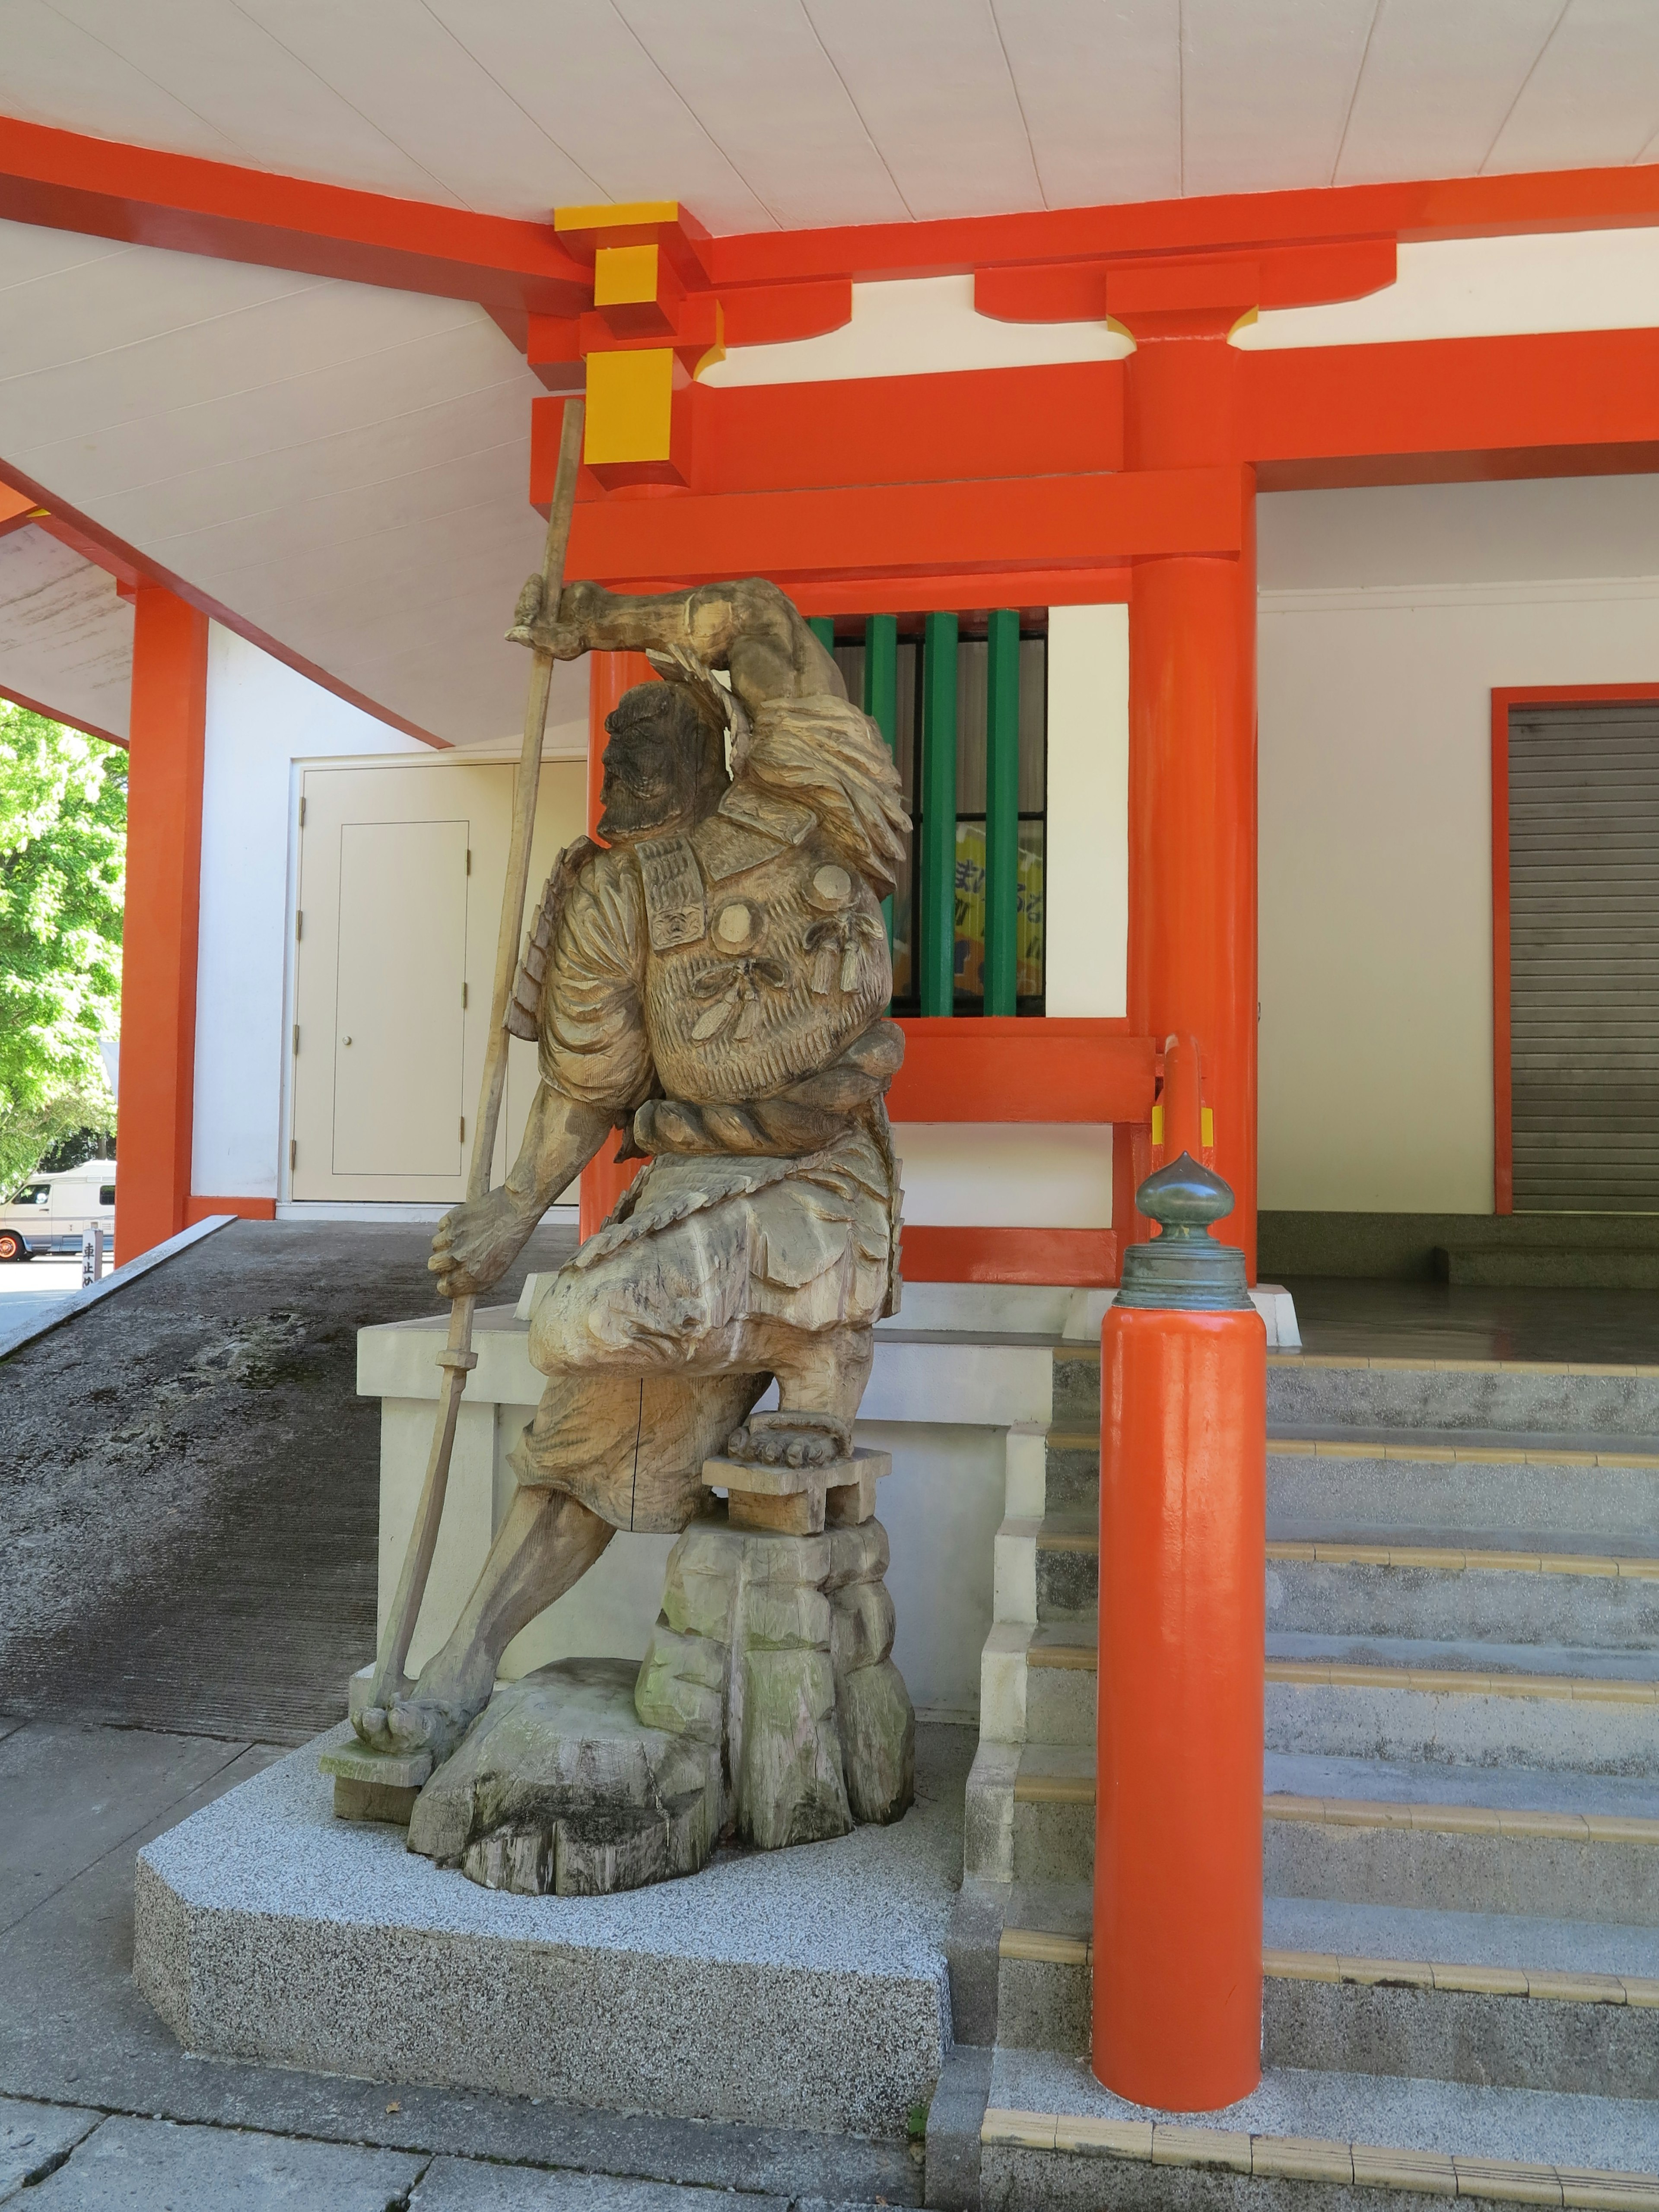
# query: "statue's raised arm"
{"points": [[749, 629]]}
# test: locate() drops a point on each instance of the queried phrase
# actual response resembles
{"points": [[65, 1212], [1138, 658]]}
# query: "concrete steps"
{"points": [[1052, 2135], [1462, 1695]]}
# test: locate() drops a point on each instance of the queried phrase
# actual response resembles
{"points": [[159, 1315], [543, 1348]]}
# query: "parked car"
{"points": [[53, 1212]]}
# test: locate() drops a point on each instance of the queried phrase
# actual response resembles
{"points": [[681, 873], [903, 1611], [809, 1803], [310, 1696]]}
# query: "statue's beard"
{"points": [[630, 815]]}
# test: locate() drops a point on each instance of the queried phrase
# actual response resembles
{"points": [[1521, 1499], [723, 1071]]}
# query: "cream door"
{"points": [[399, 900]]}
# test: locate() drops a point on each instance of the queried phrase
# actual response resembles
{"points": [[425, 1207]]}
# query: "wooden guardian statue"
{"points": [[712, 982]]}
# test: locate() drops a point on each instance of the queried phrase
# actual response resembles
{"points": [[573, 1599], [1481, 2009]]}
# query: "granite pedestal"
{"points": [[805, 1987]]}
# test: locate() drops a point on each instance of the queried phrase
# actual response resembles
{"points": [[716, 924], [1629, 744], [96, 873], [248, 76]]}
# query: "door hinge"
{"points": [[296, 1039], [463, 1128], [292, 1151], [468, 859], [463, 995], [299, 924], [302, 813]]}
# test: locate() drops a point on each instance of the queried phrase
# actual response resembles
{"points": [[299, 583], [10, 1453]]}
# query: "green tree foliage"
{"points": [[62, 872]]}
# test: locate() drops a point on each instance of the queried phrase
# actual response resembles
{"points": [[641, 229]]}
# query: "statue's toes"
{"points": [[738, 1443], [796, 1455]]}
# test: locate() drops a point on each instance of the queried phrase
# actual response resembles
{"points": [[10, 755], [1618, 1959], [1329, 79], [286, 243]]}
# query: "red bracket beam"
{"points": [[999, 527], [106, 190]]}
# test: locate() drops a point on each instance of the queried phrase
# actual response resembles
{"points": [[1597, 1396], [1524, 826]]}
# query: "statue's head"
{"points": [[665, 764]]}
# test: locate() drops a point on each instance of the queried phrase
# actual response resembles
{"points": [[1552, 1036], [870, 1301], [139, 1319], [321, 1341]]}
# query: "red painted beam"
{"points": [[1085, 1259], [1062, 419], [1454, 207], [1004, 1069], [999, 527], [1304, 410], [107, 189]]}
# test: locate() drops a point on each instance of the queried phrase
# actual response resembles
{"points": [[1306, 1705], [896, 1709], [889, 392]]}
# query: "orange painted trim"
{"points": [[1045, 522], [163, 908], [1480, 398], [104, 189], [1454, 207], [1005, 1068], [1085, 1259], [246, 1209], [52, 714], [1058, 419], [1504, 698], [128, 567]]}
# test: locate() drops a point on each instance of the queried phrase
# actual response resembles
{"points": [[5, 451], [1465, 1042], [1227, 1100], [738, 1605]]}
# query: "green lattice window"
{"points": [[962, 700]]}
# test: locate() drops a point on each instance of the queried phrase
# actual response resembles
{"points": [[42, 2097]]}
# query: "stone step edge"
{"points": [[1377, 1362], [1044, 1946], [1447, 1559], [1430, 1820], [1348, 1447], [1349, 1674], [1452, 1455], [1313, 2158], [1451, 1681]]}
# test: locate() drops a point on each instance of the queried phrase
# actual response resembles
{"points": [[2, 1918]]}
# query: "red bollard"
{"points": [[1178, 1913]]}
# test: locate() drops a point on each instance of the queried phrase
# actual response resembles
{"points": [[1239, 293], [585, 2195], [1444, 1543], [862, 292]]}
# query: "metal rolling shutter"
{"points": [[1585, 958]]}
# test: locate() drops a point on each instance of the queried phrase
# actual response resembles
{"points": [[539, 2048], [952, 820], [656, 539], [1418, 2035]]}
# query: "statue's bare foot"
{"points": [[415, 1724], [789, 1440]]}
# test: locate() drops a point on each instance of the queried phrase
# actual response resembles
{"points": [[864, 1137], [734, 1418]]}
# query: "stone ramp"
{"points": [[189, 1484]]}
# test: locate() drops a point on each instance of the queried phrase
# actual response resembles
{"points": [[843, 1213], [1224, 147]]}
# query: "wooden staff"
{"points": [[457, 1357]]}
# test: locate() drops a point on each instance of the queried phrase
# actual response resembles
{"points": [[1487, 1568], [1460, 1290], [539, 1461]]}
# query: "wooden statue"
{"points": [[712, 982]]}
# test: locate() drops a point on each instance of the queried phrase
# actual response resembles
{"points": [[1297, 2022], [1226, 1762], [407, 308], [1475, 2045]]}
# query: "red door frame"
{"points": [[1505, 697]]}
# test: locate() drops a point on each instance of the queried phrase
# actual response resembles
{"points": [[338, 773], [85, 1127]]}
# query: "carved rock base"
{"points": [[767, 1707]]}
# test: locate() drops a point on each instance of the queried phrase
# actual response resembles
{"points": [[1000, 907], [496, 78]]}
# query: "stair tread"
{"points": [[1551, 1661], [1504, 1789], [1505, 1446], [1453, 2119], [1487, 1939], [1532, 1544]]}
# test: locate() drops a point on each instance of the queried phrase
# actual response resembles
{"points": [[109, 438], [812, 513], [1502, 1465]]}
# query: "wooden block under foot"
{"points": [[373, 1800]]}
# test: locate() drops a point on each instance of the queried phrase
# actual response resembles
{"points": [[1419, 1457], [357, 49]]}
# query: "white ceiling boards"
{"points": [[812, 112]]}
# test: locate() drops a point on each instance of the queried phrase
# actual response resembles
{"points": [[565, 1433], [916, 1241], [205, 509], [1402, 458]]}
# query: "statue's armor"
{"points": [[766, 954]]}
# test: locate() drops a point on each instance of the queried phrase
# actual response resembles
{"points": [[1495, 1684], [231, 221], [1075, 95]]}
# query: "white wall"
{"points": [[1387, 618], [261, 716]]}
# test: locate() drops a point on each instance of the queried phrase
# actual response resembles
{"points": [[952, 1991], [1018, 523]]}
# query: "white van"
{"points": [[53, 1212]]}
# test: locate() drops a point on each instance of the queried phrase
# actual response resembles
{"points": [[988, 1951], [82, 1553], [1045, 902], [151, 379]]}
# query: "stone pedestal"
{"points": [[767, 1707]]}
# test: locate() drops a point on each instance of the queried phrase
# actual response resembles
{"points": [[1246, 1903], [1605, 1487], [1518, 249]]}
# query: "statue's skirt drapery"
{"points": [[662, 1332]]}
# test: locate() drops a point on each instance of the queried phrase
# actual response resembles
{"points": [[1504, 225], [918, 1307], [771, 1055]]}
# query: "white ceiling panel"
{"points": [[805, 112], [1594, 96], [1100, 91], [1438, 83], [1265, 90], [270, 108], [398, 65], [579, 69], [65, 634], [324, 460], [932, 83], [758, 77], [52, 71]]}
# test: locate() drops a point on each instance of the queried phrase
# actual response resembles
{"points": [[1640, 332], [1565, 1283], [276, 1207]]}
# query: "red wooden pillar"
{"points": [[159, 939], [605, 1179], [1192, 737]]}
